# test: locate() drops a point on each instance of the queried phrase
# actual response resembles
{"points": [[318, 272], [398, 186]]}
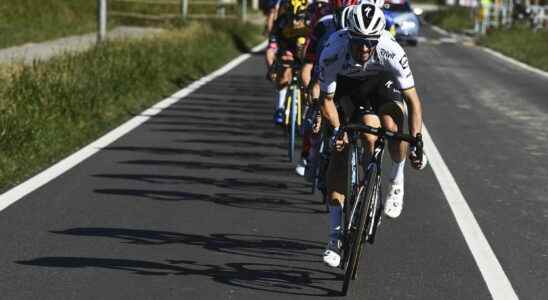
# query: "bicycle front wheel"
{"points": [[360, 219], [295, 99]]}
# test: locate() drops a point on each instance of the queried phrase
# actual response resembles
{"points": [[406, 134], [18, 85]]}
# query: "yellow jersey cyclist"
{"points": [[365, 68], [286, 41]]}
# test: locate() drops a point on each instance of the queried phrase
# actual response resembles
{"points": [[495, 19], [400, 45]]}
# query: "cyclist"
{"points": [[286, 41], [270, 10], [363, 66], [327, 20]]}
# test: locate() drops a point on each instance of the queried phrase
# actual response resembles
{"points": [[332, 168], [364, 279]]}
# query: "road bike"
{"points": [[293, 109], [363, 207]]}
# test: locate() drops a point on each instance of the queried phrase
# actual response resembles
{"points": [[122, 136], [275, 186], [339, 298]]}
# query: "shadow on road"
{"points": [[276, 278], [257, 201]]}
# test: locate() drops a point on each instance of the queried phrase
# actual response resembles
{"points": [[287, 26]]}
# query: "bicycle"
{"points": [[293, 109], [363, 207], [318, 160]]}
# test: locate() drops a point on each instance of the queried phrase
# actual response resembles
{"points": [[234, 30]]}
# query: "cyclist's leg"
{"points": [[282, 80], [392, 112]]}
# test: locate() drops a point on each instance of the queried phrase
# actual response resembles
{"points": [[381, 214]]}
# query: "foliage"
{"points": [[49, 109]]}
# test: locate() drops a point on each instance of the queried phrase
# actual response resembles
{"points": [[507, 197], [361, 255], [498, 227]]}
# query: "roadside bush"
{"points": [[452, 18]]}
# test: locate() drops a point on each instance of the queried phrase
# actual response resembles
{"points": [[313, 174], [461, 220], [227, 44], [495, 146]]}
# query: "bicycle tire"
{"points": [[357, 239], [292, 124]]}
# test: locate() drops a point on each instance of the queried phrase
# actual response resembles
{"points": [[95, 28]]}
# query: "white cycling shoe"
{"points": [[394, 200], [301, 167], [332, 254]]}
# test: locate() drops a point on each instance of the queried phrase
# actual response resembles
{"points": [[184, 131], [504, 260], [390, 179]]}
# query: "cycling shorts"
{"points": [[369, 94]]}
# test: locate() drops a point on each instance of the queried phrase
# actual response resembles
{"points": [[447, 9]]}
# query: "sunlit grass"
{"points": [[50, 109]]}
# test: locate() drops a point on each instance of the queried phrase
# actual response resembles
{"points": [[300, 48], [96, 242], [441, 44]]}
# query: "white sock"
{"points": [[396, 174], [335, 218], [281, 97]]}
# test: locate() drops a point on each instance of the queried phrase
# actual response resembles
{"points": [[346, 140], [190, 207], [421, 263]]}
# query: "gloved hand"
{"points": [[417, 156], [336, 141]]}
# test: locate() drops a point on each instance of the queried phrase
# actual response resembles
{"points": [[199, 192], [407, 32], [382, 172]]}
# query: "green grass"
{"points": [[452, 18], [520, 43], [23, 21], [50, 109]]}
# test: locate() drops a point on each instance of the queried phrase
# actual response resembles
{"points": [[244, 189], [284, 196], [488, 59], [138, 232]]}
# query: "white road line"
{"points": [[498, 55], [515, 62], [497, 282], [25, 188]]}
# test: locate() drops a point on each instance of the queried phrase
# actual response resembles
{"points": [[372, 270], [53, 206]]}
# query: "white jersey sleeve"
{"points": [[331, 60], [393, 57]]}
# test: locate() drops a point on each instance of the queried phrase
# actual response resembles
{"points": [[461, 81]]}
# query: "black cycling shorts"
{"points": [[368, 94]]}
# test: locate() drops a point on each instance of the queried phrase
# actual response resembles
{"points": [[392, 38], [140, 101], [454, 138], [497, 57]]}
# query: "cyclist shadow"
{"points": [[256, 168], [254, 201], [276, 278]]}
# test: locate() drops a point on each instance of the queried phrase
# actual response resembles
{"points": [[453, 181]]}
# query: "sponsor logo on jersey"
{"points": [[386, 54], [404, 62]]}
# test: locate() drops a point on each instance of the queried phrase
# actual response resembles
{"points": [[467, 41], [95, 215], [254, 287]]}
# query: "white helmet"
{"points": [[366, 21], [344, 16]]}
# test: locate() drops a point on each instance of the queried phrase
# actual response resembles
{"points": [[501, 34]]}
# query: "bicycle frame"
{"points": [[363, 207]]}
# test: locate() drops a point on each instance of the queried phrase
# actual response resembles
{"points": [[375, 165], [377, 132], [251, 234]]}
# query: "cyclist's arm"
{"points": [[415, 110], [329, 110]]}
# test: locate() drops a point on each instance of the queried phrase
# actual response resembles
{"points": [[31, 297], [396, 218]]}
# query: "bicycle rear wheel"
{"points": [[295, 94], [361, 220]]}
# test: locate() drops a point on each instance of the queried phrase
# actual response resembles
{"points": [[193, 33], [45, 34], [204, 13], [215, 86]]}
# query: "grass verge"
{"points": [[521, 43], [23, 21], [518, 42], [452, 18], [50, 109]]}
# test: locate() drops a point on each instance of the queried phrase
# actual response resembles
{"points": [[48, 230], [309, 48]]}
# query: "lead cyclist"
{"points": [[365, 68]]}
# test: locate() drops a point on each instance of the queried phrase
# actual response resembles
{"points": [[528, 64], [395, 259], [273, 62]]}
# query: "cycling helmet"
{"points": [[297, 7], [366, 21], [343, 19]]}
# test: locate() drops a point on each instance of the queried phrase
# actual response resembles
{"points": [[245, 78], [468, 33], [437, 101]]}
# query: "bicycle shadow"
{"points": [[275, 278], [249, 245], [272, 278]]}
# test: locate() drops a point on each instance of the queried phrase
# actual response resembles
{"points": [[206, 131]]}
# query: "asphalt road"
{"points": [[200, 203]]}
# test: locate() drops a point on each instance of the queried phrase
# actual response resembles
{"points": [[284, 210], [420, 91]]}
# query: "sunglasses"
{"points": [[369, 43]]}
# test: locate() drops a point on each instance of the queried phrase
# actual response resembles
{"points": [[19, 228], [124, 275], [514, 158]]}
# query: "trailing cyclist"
{"points": [[286, 41], [327, 20], [365, 70]]}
